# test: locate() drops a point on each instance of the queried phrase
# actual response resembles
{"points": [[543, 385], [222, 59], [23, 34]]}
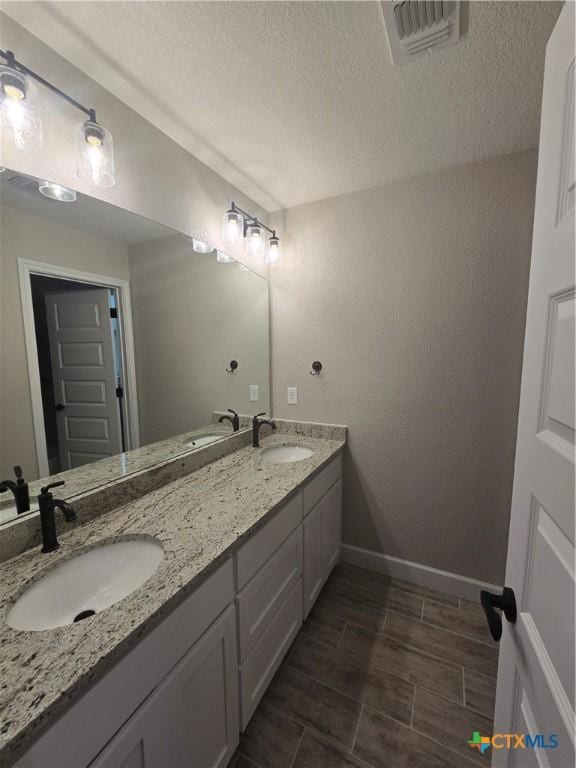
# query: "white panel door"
{"points": [[82, 357], [535, 691]]}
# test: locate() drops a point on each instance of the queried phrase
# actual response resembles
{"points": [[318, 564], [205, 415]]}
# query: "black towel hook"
{"points": [[316, 368], [233, 366]]}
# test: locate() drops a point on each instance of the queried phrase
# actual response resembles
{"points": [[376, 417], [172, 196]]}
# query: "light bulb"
{"points": [[201, 247], [223, 258], [255, 242], [232, 227], [16, 112], [274, 251], [95, 154], [56, 192]]}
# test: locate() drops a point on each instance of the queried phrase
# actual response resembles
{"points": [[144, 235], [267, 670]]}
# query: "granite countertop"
{"points": [[199, 519]]}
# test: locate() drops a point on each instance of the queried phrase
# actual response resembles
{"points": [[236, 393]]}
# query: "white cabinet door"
{"points": [[331, 527], [313, 558], [191, 719]]}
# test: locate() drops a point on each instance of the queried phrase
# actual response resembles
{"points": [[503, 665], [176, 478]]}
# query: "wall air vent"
{"points": [[415, 27]]}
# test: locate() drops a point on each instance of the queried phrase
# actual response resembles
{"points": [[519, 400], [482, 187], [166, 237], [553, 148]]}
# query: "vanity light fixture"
{"points": [[57, 192], [201, 247], [273, 251], [17, 113], [238, 224], [232, 226], [95, 146], [255, 239]]}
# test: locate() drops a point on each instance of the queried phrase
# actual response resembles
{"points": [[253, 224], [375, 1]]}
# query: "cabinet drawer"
{"points": [[317, 487], [260, 599], [267, 654], [252, 556]]}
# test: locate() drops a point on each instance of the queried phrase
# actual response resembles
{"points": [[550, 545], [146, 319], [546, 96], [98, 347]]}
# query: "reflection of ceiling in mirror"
{"points": [[86, 213]]}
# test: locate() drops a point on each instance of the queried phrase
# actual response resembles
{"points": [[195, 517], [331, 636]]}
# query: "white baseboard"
{"points": [[416, 573]]}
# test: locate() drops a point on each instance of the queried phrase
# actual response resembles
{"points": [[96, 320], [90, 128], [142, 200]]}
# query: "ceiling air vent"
{"points": [[415, 27]]}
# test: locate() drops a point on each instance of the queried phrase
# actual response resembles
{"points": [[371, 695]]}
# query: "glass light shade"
{"points": [[95, 154], [223, 258], [232, 227], [255, 240], [16, 111], [273, 252], [57, 192], [201, 247]]}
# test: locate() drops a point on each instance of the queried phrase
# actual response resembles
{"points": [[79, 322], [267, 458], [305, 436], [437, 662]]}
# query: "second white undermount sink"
{"points": [[85, 585], [285, 454]]}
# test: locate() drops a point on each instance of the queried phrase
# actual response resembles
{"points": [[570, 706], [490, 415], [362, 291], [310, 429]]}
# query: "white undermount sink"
{"points": [[198, 442], [85, 585], [285, 454]]}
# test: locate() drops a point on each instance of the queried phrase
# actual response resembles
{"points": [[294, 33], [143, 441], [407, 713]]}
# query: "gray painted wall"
{"points": [[192, 316], [413, 295]]}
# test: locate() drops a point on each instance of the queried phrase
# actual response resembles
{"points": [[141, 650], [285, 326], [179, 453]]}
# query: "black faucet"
{"points": [[19, 489], [234, 419], [257, 422], [47, 506]]}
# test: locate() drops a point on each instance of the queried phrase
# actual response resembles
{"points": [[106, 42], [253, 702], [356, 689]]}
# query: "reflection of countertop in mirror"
{"points": [[199, 519], [98, 473]]}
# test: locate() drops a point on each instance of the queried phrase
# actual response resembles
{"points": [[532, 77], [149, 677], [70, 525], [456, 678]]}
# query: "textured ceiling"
{"points": [[297, 101]]}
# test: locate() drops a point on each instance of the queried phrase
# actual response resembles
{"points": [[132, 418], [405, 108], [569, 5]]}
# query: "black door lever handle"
{"points": [[507, 604], [59, 407]]}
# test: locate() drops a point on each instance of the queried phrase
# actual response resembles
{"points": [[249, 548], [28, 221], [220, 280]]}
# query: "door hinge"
{"points": [[113, 312], [119, 392]]}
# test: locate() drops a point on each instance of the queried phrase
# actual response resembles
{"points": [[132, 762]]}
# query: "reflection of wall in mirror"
{"points": [[192, 315], [26, 236]]}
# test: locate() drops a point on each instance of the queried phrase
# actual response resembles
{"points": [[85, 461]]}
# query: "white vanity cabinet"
{"points": [[322, 541], [173, 696], [191, 718], [181, 696]]}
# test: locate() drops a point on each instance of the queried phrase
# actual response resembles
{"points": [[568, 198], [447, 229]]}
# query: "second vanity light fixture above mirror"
{"points": [[94, 143], [238, 225]]}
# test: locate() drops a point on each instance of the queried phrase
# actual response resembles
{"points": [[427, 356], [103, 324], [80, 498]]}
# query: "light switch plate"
{"points": [[292, 395], [254, 393]]}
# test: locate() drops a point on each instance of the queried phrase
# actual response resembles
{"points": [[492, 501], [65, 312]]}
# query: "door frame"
{"points": [[26, 269]]}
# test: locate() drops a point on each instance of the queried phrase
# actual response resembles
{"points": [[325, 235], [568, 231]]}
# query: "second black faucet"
{"points": [[257, 422]]}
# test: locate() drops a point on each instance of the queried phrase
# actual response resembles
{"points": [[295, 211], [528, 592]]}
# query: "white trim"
{"points": [[26, 268], [416, 573]]}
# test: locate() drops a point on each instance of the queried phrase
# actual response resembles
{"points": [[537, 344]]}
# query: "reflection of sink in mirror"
{"points": [[85, 585], [285, 454], [198, 442]]}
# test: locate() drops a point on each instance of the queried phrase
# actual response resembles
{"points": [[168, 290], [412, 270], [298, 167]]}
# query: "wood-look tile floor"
{"points": [[383, 674]]}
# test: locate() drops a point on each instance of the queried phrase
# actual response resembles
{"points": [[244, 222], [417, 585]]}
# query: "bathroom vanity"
{"points": [[172, 673]]}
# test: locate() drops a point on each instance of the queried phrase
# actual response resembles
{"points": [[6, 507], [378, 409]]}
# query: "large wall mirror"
{"points": [[120, 344]]}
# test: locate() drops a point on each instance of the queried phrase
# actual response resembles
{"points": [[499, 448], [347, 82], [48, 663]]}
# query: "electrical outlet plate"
{"points": [[254, 393]]}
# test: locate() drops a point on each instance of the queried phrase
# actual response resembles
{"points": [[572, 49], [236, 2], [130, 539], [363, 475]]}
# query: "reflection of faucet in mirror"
{"points": [[234, 419], [257, 422], [19, 489], [47, 506]]}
